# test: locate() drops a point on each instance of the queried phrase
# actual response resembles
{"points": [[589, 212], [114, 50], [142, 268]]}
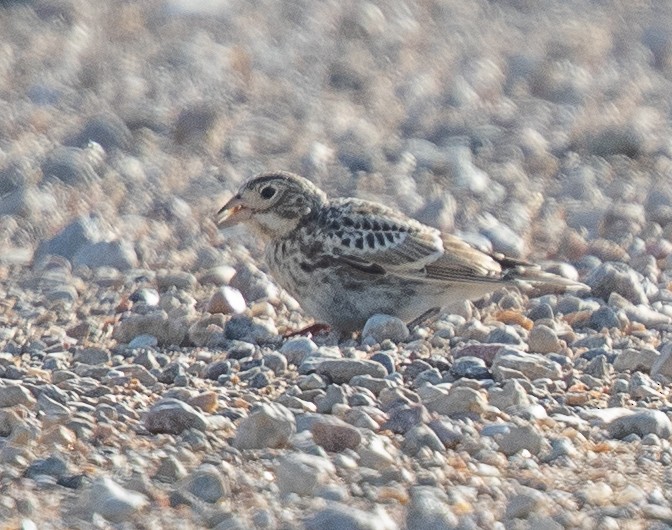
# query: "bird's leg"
{"points": [[313, 329], [425, 317]]}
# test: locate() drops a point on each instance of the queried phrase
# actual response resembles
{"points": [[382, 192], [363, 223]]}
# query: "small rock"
{"points": [[430, 508], [117, 254], [114, 503], [253, 330], [641, 423], [384, 359], [522, 505], [226, 300], [543, 339], [343, 370], [486, 352], [206, 401], [334, 435], [207, 484], [382, 327], [402, 417], [533, 366], [458, 400], [170, 470], [421, 437], [138, 372], [512, 393], [52, 466], [297, 349], [143, 341], [173, 416], [519, 438], [345, 517], [616, 277], [302, 473], [13, 395], [470, 367], [643, 360], [663, 363], [269, 425]]}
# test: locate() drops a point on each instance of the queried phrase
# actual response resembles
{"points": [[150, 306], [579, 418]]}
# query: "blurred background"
{"points": [[537, 128]]}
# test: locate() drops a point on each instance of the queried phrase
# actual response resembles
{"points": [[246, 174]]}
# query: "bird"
{"points": [[347, 259]]}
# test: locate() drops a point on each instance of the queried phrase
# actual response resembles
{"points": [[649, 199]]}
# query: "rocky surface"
{"points": [[146, 380]]}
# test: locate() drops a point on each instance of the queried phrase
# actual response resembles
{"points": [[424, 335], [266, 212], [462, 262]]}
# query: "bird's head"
{"points": [[272, 203]]}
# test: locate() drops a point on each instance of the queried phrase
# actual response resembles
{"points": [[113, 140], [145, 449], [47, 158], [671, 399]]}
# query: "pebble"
{"points": [[113, 502], [543, 339], [510, 394], [13, 395], [207, 483], [343, 370], [421, 437], [173, 416], [302, 473], [338, 515], [385, 327], [226, 300], [641, 423], [510, 362], [269, 425], [521, 437], [616, 277], [334, 435], [456, 401], [430, 508]]}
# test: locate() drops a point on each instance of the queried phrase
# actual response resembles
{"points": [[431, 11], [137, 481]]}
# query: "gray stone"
{"points": [[524, 504], [143, 341], [641, 423], [543, 339], [519, 438], [113, 502], [374, 384], [533, 366], [297, 349], [421, 437], [449, 434], [117, 254], [138, 372], [302, 473], [604, 317], [12, 395], [663, 363], [276, 362], [510, 394], [170, 470], [337, 516], [616, 277], [173, 416], [403, 417], [458, 400], [268, 425], [207, 484], [333, 434], [470, 367], [93, 355], [178, 279], [168, 331], [643, 360], [53, 466], [382, 327], [80, 232], [226, 300], [343, 370], [430, 508], [250, 329]]}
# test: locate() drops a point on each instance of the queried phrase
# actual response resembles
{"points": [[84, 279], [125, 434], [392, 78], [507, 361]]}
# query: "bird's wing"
{"points": [[374, 238]]}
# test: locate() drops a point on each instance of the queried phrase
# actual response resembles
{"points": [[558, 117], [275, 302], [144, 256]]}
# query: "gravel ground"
{"points": [[145, 380]]}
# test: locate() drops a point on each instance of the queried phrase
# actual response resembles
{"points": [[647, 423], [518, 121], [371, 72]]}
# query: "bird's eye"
{"points": [[268, 192]]}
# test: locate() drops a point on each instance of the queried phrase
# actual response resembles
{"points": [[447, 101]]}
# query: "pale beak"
{"points": [[232, 213]]}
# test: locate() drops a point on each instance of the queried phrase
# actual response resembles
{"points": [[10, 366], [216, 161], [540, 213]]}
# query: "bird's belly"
{"points": [[336, 296]]}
